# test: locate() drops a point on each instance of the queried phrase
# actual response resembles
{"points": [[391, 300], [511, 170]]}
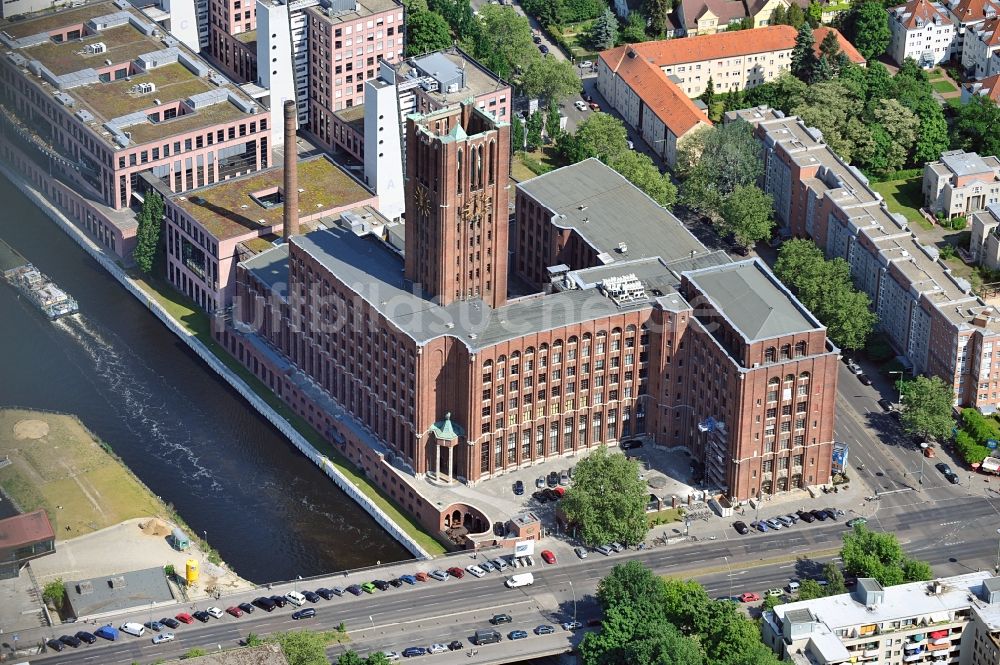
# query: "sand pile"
{"points": [[155, 527]]}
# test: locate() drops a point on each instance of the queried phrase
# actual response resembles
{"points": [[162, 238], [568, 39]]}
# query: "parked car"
{"points": [[864, 379], [280, 601], [760, 526], [774, 592], [455, 571], [439, 575], [552, 479], [793, 585], [71, 641], [475, 571], [617, 547], [184, 617], [234, 611], [498, 619], [820, 515], [306, 613], [55, 645], [311, 596], [806, 516], [952, 478], [396, 583], [437, 647], [885, 404], [571, 625], [456, 645], [785, 521], [500, 564], [929, 451], [163, 637], [517, 635], [537, 39], [544, 629], [856, 520], [564, 478], [581, 106], [543, 48], [594, 106], [604, 549], [854, 367], [749, 597], [586, 64], [324, 593], [421, 576], [774, 524], [202, 616], [409, 579], [355, 590], [410, 652], [215, 612], [629, 444], [381, 585], [581, 552], [246, 607], [369, 587], [540, 482], [337, 591], [84, 636], [153, 626], [833, 513], [548, 556], [943, 468], [488, 566], [792, 518], [391, 656], [170, 623], [741, 528], [519, 488]]}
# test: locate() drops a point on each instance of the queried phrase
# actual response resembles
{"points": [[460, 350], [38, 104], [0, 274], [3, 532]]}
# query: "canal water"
{"points": [[270, 513]]}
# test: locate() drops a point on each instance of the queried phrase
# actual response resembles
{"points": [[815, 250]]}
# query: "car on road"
{"points": [[537, 39], [543, 48], [864, 379], [833, 513], [235, 611], [439, 575], [594, 106], [741, 528], [886, 405], [355, 590], [455, 571], [246, 607], [580, 552], [498, 619], [929, 451], [820, 515], [760, 526], [456, 645], [519, 488], [89, 638], [55, 645], [774, 592], [215, 612], [544, 629], [854, 368], [153, 626], [311, 596], [324, 593], [856, 520], [952, 478], [517, 635], [307, 613], [571, 625], [381, 585], [70, 641], [169, 623], [749, 597], [548, 556], [202, 616], [163, 637], [475, 571], [943, 468], [369, 587], [437, 647], [552, 479], [184, 617], [629, 444], [411, 652], [806, 516], [582, 106]]}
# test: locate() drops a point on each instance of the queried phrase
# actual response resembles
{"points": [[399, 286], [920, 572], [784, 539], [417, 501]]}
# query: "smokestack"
{"points": [[290, 225]]}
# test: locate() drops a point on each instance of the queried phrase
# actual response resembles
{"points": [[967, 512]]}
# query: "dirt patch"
{"points": [[155, 527], [30, 429]]}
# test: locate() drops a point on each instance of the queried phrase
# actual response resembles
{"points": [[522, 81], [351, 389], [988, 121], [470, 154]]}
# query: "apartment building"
{"points": [[232, 37], [988, 87], [652, 84], [923, 31], [707, 17], [96, 97], [961, 183], [931, 317], [948, 620], [967, 15], [984, 245], [982, 48]]}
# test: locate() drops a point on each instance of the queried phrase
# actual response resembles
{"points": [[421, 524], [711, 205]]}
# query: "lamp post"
{"points": [[899, 388], [574, 590], [726, 558], [996, 568]]}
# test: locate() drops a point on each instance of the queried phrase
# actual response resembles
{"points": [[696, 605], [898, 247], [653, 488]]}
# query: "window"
{"points": [[770, 355]]}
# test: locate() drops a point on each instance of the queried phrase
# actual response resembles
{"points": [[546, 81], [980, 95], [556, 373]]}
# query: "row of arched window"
{"points": [[772, 354]]}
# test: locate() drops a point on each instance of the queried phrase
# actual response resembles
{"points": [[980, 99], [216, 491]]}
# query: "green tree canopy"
{"points": [[603, 136], [550, 79], [717, 160], [603, 34], [805, 64], [655, 12], [926, 404], [426, 31], [747, 215], [607, 501], [977, 126], [639, 169], [867, 553], [350, 658], [868, 29], [635, 29], [503, 41], [810, 589], [457, 13], [534, 127], [147, 242]]}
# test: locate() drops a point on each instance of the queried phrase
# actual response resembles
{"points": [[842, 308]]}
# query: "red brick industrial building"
{"points": [[425, 366]]}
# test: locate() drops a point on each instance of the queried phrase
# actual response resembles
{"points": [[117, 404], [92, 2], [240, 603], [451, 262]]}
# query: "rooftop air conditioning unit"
{"points": [[96, 47]]}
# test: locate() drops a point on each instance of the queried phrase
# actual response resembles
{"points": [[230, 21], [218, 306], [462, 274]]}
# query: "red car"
{"points": [[235, 611], [184, 617], [749, 597], [548, 556], [457, 572], [422, 576], [594, 106]]}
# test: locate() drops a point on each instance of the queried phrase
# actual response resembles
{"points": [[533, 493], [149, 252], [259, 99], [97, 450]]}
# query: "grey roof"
{"points": [[799, 616], [373, 271], [869, 584], [606, 209], [992, 585], [964, 163], [270, 266], [137, 588], [753, 300]]}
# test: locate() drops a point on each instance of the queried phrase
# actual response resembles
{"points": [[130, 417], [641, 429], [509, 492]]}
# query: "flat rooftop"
{"points": [[965, 163], [154, 71], [25, 529], [354, 117], [446, 65], [607, 211], [136, 588], [753, 300], [235, 207], [330, 12]]}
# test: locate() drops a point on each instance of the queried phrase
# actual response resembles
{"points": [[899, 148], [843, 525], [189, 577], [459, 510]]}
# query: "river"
{"points": [[270, 512]]}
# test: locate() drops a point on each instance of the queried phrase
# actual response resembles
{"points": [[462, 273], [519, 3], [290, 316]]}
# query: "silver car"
{"points": [[439, 575], [604, 549], [580, 552], [500, 564]]}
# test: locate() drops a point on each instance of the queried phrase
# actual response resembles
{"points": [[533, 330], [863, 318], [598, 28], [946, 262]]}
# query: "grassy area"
{"points": [[904, 196], [197, 322], [58, 465], [573, 34], [527, 165], [665, 516], [943, 86]]}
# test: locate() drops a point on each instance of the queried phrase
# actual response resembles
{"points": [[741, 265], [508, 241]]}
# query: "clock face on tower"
{"points": [[422, 201], [476, 205]]}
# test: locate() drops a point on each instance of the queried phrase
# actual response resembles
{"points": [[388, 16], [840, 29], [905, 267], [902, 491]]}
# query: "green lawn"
{"points": [[196, 321], [943, 86], [904, 196]]}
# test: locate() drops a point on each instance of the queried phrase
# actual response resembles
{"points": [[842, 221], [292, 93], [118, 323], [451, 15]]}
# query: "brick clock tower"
{"points": [[457, 165]]}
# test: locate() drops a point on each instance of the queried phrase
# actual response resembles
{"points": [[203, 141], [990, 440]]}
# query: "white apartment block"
{"points": [[961, 183], [985, 242], [923, 31], [951, 620], [982, 48], [967, 15]]}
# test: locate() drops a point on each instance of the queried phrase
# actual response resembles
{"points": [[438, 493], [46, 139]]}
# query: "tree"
{"points": [[304, 647], [414, 6], [550, 80], [253, 640], [926, 404], [553, 121], [196, 652], [709, 95], [879, 555], [810, 589], [977, 127], [747, 215], [503, 41], [830, 53], [603, 33], [603, 136], [607, 501], [835, 583], [147, 242], [778, 16], [457, 13], [655, 12], [639, 169], [794, 15], [635, 29], [350, 658], [783, 93], [814, 14], [54, 593], [868, 27], [715, 161], [932, 136], [377, 658], [535, 124], [894, 134], [426, 31], [632, 583], [517, 133], [804, 61]]}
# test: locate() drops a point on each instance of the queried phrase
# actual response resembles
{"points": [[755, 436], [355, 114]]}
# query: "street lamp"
{"points": [[996, 568], [726, 558], [574, 590], [899, 387]]}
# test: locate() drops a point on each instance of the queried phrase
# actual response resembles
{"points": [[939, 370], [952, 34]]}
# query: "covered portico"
{"points": [[447, 435]]}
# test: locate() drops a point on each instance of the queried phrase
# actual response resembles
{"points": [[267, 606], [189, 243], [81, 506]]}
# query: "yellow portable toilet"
{"points": [[192, 572]]}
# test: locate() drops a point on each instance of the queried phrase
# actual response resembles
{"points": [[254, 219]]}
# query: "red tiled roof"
{"points": [[989, 87], [847, 47], [917, 10], [990, 32], [973, 10], [25, 529]]}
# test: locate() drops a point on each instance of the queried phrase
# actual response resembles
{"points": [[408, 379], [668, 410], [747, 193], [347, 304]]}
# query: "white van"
{"points": [[524, 579], [295, 598], [133, 628]]}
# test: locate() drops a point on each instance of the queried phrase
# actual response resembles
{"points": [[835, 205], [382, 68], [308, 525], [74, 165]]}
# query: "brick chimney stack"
{"points": [[290, 219]]}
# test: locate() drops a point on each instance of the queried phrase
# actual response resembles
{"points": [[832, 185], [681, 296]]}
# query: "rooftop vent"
{"points": [[117, 582], [622, 248], [85, 588], [96, 47]]}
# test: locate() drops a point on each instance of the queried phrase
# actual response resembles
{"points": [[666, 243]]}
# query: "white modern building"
{"points": [[923, 31], [961, 183], [984, 245], [982, 48], [949, 620]]}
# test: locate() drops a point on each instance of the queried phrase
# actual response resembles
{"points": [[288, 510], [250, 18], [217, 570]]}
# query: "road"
{"points": [[954, 534]]}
